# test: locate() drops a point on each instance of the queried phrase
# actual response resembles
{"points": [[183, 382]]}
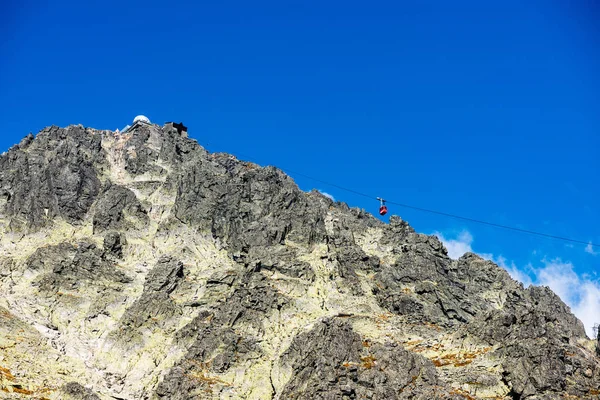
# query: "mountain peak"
{"points": [[148, 267]]}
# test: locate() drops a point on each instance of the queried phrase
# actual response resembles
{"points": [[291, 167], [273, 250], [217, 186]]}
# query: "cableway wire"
{"points": [[447, 214], [478, 221]]}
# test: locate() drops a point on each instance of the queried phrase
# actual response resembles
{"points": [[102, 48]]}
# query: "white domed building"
{"points": [[141, 118]]}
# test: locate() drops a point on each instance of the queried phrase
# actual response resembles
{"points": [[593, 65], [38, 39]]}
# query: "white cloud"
{"points": [[457, 247], [330, 197], [560, 277], [462, 244], [588, 307], [515, 272], [590, 249], [512, 269], [580, 292]]}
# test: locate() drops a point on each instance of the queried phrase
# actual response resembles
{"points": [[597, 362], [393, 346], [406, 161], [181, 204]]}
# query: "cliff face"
{"points": [[139, 266]]}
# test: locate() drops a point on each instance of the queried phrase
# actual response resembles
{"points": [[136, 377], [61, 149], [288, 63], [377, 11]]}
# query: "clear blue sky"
{"points": [[488, 110]]}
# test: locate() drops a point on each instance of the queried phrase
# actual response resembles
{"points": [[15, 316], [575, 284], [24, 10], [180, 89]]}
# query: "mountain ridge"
{"points": [[144, 267]]}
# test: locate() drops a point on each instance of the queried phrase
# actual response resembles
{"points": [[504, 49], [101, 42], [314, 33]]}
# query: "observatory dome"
{"points": [[141, 118]]}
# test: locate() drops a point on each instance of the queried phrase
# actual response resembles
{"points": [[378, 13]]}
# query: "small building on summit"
{"points": [[143, 120], [181, 129]]}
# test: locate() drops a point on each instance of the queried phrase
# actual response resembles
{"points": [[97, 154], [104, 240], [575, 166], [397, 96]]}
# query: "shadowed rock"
{"points": [[215, 341], [66, 266], [113, 205], [331, 361], [75, 391], [113, 243], [53, 175], [155, 304]]}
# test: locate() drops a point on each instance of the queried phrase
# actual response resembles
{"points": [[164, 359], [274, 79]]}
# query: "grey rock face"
{"points": [[598, 343], [333, 362], [165, 276], [67, 266], [533, 313], [276, 258], [113, 243], [54, 175], [437, 295], [152, 269], [537, 335], [75, 391], [112, 205], [442, 291], [216, 343], [245, 206], [348, 256], [155, 303]]}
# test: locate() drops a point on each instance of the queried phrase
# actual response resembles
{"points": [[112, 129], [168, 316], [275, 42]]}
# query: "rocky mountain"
{"points": [[138, 265]]}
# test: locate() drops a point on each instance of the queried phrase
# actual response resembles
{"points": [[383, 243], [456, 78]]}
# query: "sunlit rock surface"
{"points": [[140, 266]]}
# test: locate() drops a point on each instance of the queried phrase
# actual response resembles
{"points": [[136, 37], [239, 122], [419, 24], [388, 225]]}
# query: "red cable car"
{"points": [[382, 208]]}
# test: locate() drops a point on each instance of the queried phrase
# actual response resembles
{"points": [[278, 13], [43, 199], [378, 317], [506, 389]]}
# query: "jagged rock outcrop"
{"points": [[69, 266], [115, 203], [154, 304], [220, 339], [53, 175], [332, 362], [75, 391], [140, 266]]}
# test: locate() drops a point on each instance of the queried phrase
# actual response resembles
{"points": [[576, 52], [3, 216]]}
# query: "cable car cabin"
{"points": [[382, 206]]}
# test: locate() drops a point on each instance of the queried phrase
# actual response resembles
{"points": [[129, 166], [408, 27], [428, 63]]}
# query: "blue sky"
{"points": [[487, 110]]}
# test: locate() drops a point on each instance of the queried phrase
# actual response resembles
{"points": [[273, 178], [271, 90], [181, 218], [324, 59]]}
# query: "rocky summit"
{"points": [[138, 265]]}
